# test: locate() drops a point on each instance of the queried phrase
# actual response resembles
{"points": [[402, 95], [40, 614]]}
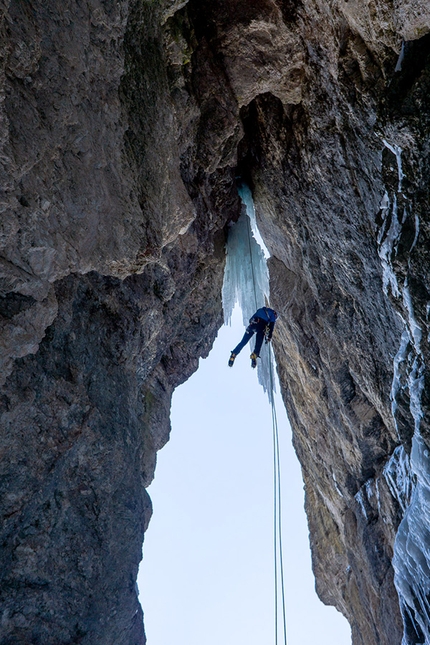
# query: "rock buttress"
{"points": [[112, 255]]}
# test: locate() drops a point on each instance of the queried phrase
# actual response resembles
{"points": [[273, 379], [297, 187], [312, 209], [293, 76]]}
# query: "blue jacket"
{"points": [[267, 314]]}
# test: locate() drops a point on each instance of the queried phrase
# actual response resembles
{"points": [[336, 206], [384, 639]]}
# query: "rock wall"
{"points": [[111, 276], [123, 128]]}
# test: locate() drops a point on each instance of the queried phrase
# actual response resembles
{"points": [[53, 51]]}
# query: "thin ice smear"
{"points": [[408, 476], [409, 481], [397, 473], [399, 358], [246, 280], [388, 241], [399, 63], [246, 197], [397, 151]]}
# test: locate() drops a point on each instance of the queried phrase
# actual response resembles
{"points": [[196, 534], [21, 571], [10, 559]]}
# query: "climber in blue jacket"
{"points": [[262, 323]]}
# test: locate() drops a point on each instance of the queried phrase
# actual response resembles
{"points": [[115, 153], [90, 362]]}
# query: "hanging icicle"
{"points": [[246, 277]]}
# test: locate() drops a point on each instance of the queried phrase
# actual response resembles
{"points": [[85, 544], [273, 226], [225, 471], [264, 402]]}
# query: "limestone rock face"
{"points": [[123, 127], [111, 273]]}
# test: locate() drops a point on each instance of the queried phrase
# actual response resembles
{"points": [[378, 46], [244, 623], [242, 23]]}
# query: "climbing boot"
{"points": [[231, 359], [253, 358]]}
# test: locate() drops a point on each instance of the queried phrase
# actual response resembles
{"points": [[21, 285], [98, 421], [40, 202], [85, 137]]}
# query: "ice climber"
{"points": [[262, 324]]}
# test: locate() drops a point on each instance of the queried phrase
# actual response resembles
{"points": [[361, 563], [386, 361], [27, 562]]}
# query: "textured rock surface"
{"points": [[111, 279], [123, 127]]}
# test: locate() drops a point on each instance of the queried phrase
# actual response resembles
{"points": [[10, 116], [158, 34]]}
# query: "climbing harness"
{"points": [[279, 586]]}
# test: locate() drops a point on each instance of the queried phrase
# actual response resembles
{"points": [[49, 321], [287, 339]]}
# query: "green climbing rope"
{"points": [[279, 584], [277, 519]]}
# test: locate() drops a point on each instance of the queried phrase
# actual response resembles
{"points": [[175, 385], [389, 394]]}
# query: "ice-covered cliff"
{"points": [[124, 127]]}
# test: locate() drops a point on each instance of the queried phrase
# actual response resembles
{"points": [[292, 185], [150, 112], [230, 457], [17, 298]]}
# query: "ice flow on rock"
{"points": [[408, 476], [246, 279]]}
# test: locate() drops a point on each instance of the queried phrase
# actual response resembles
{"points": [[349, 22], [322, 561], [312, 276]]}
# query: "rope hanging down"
{"points": [[277, 515], [277, 520]]}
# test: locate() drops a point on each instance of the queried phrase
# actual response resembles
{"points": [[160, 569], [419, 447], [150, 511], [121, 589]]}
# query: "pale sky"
{"points": [[207, 573]]}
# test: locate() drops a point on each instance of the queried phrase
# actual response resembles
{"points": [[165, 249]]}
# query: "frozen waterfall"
{"points": [[246, 279], [408, 477]]}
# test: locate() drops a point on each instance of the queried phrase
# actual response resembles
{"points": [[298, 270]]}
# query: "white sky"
{"points": [[207, 573]]}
